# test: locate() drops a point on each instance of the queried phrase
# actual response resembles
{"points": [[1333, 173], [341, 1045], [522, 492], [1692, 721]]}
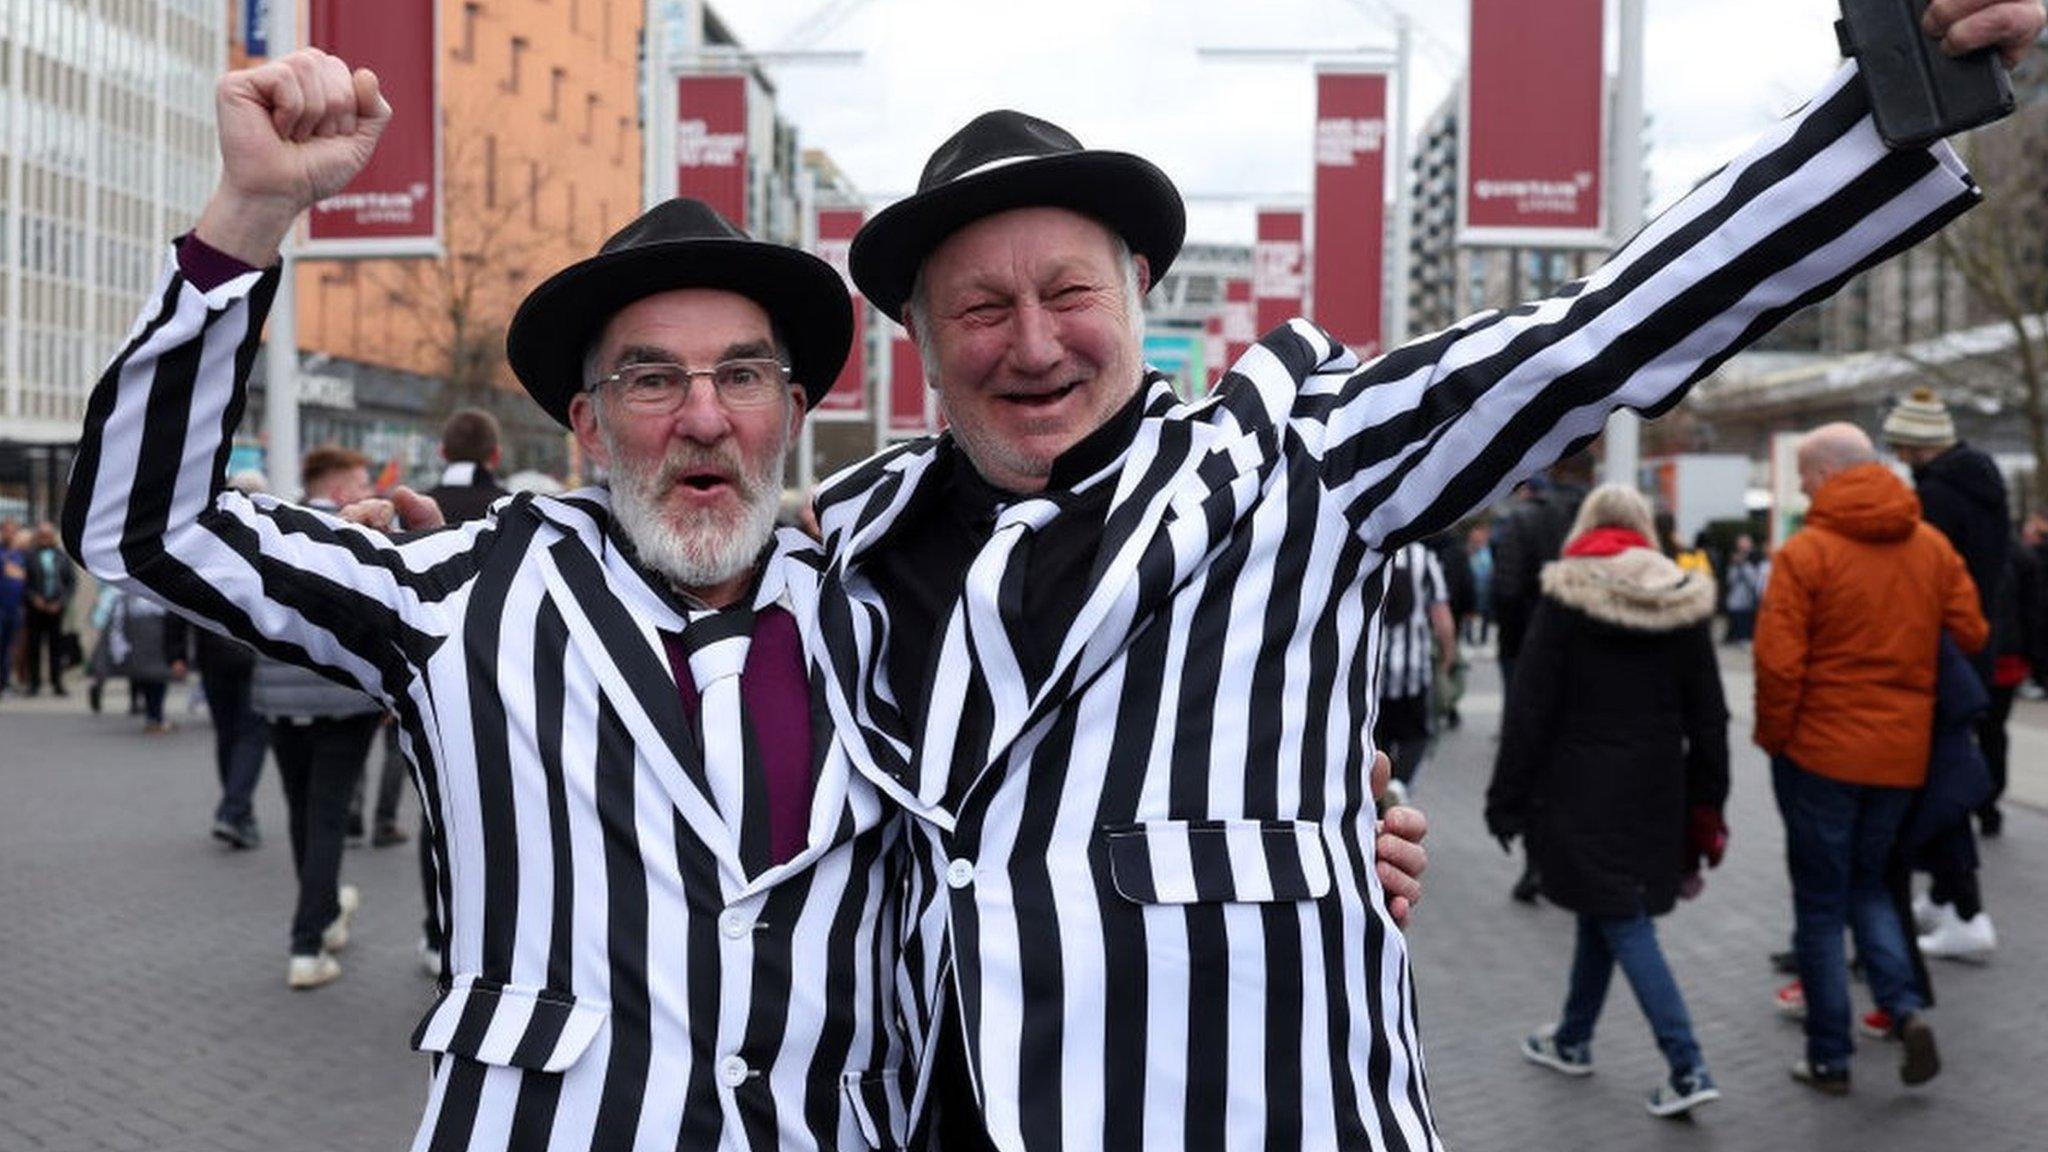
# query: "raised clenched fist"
{"points": [[293, 131]]}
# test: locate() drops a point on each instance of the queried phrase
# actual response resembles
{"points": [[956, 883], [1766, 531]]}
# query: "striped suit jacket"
{"points": [[625, 967], [1156, 902]]}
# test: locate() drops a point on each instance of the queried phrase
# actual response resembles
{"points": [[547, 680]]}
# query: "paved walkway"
{"points": [[145, 1005]]}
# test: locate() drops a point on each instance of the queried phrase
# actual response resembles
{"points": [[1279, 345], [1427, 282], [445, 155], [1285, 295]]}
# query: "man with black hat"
{"points": [[1114, 653], [669, 906]]}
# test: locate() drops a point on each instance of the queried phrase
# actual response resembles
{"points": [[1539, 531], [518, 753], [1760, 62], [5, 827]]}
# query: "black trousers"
{"points": [[319, 763], [240, 738], [953, 1120], [1402, 732], [45, 632], [1991, 738]]}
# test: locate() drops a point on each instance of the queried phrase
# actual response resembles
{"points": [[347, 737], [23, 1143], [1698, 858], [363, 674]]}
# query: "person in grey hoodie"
{"points": [[321, 733]]}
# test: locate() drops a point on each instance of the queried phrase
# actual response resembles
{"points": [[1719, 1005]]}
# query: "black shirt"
{"points": [[921, 569]]}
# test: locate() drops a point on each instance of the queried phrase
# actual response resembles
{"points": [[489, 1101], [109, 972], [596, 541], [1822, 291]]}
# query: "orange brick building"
{"points": [[541, 159]]}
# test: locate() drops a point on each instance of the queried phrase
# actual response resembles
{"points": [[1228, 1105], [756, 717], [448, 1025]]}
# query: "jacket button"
{"points": [[960, 873], [733, 1071], [735, 924]]}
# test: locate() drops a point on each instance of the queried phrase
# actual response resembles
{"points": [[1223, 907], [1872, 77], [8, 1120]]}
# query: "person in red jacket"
{"points": [[1845, 668]]}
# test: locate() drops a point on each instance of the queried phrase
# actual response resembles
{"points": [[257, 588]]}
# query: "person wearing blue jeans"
{"points": [[1613, 763], [1631, 943], [1837, 838]]}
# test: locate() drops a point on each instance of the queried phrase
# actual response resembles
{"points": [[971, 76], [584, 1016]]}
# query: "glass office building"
{"points": [[106, 113]]}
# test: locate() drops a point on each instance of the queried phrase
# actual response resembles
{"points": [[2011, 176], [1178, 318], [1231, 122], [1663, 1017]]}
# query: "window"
{"points": [[490, 171], [465, 44], [512, 70], [556, 79], [590, 101]]}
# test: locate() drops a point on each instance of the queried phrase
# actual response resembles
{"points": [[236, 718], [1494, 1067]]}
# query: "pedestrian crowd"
{"points": [[1032, 803], [1890, 635]]}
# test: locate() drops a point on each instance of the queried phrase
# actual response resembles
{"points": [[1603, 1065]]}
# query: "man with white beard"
{"points": [[667, 895], [671, 902]]}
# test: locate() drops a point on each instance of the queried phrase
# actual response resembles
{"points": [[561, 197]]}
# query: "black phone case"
{"points": [[1918, 93]]}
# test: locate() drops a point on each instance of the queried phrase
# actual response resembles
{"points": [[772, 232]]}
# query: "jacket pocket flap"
{"points": [[1218, 861], [876, 1105], [511, 1025]]}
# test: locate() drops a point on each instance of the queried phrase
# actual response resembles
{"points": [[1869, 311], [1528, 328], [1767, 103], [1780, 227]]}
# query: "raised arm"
{"points": [[147, 508], [1418, 438]]}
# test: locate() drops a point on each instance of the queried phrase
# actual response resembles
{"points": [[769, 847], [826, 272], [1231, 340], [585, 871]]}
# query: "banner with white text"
{"points": [[1535, 126], [1279, 268], [711, 142], [393, 206], [1348, 241]]}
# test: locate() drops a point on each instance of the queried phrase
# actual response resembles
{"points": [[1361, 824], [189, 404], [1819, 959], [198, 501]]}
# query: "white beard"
{"points": [[711, 548]]}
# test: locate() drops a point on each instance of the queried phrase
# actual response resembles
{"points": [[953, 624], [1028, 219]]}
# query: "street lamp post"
{"points": [[281, 345], [1625, 212]]}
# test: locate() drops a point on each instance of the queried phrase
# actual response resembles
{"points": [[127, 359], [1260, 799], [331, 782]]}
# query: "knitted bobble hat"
{"points": [[1920, 421]]}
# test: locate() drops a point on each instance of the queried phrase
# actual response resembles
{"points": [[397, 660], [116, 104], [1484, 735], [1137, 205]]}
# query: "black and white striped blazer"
{"points": [[625, 967], [1156, 901], [1414, 582]]}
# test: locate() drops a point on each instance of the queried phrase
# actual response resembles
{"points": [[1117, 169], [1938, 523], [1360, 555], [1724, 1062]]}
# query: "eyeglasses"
{"points": [[660, 388]]}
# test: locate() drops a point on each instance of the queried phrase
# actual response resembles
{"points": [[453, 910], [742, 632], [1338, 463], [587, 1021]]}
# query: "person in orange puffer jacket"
{"points": [[1845, 651]]}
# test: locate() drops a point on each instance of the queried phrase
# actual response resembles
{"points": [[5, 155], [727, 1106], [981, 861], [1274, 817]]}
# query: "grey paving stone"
{"points": [[145, 1004]]}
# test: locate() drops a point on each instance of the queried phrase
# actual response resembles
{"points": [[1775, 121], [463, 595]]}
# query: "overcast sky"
{"points": [[1126, 74]]}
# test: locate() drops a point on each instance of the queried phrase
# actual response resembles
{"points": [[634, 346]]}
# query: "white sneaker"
{"points": [[334, 937], [430, 958], [1927, 914], [1955, 938], [312, 971], [1397, 793]]}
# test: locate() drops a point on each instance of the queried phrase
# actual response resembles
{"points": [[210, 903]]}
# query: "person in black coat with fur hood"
{"points": [[1614, 764]]}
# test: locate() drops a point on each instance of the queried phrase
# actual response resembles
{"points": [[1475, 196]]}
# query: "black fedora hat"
{"points": [[1003, 160], [680, 243]]}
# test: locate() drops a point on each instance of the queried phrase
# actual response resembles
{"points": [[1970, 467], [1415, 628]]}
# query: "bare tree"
{"points": [[2000, 250], [462, 303]]}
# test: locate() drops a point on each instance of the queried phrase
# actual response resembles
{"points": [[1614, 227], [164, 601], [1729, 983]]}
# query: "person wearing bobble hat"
{"points": [[1963, 494]]}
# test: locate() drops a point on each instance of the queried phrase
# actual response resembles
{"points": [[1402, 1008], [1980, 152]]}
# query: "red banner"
{"points": [[1279, 268], [391, 208], [1534, 122], [1240, 319], [836, 227], [1350, 206], [1212, 351], [711, 142], [906, 387]]}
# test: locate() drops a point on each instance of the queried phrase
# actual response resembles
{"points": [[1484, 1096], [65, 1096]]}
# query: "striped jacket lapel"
{"points": [[840, 804], [615, 618], [1187, 478], [855, 510]]}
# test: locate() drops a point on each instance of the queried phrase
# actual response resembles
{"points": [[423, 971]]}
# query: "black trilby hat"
{"points": [[1003, 160], [680, 243]]}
